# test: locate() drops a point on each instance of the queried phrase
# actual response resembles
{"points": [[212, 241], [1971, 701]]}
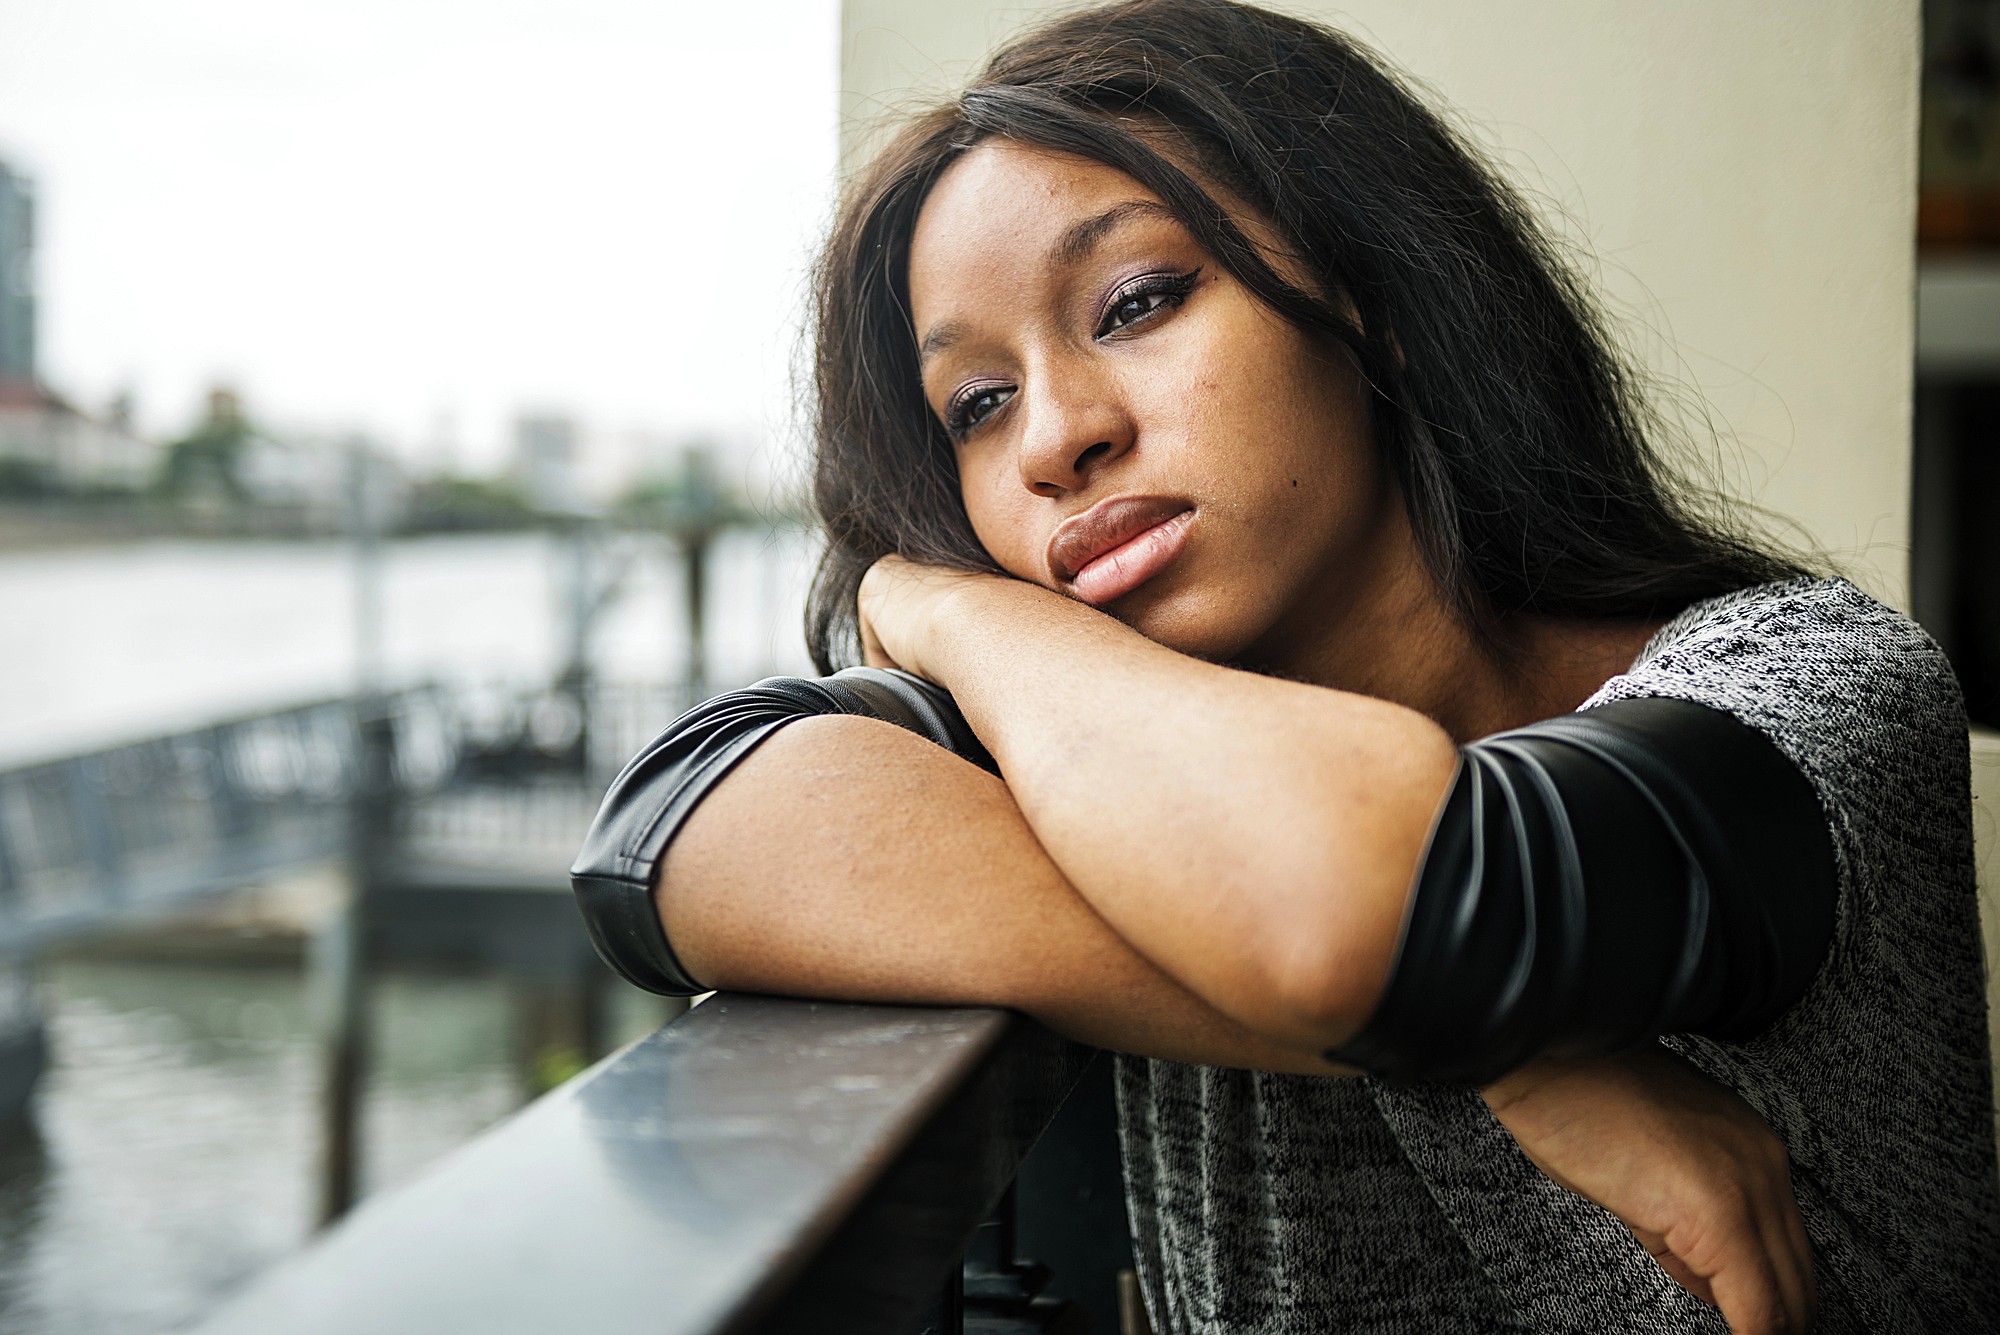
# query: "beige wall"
{"points": [[1986, 831], [1743, 174]]}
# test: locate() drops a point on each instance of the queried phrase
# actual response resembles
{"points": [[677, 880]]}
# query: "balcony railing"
{"points": [[757, 1165]]}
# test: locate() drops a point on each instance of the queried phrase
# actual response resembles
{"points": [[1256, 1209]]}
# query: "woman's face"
{"points": [[1133, 427]]}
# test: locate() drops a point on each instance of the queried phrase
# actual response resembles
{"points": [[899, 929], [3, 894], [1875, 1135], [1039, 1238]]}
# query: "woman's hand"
{"points": [[899, 603], [1688, 1166]]}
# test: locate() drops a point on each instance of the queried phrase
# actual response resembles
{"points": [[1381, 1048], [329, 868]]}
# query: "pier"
{"points": [[446, 818]]}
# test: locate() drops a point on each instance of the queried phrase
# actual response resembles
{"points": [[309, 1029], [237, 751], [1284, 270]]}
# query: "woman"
{"points": [[1344, 692]]}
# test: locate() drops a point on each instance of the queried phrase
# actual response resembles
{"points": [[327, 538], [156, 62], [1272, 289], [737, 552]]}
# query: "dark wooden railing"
{"points": [[757, 1165]]}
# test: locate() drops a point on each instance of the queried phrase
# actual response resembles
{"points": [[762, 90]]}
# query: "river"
{"points": [[104, 645], [171, 1155]]}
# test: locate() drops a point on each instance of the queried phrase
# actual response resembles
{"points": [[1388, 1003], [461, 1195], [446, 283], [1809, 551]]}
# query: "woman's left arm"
{"points": [[1689, 1168], [1256, 839]]}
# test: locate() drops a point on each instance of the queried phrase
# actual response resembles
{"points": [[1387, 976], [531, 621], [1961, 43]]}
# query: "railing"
{"points": [[503, 780], [758, 1165], [145, 826]]}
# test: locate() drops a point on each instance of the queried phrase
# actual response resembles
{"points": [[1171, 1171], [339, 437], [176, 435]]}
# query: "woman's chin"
{"points": [[1187, 622]]}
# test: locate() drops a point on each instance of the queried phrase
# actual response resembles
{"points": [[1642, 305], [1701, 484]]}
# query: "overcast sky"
{"points": [[418, 217]]}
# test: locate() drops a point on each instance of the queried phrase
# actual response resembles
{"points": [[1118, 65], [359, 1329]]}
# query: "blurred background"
{"points": [[398, 424], [440, 352]]}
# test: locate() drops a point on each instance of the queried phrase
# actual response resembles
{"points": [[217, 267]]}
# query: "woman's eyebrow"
{"points": [[938, 339], [1080, 238], [1072, 247]]}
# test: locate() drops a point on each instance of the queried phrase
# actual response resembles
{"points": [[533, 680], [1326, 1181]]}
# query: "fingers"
{"points": [[1684, 1275], [1754, 1263], [895, 605], [1690, 1168], [1748, 1295], [1727, 1246], [1784, 1232], [1776, 1234]]}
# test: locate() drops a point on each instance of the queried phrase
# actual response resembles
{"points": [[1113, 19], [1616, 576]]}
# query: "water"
{"points": [[107, 644], [172, 1155], [175, 1146]]}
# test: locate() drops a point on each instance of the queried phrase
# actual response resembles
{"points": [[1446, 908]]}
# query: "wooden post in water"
{"points": [[340, 957], [696, 510], [560, 1026], [694, 564], [339, 1021], [24, 1043], [581, 601]]}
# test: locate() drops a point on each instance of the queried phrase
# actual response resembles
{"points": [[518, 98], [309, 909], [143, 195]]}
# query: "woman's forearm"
{"points": [[1255, 838], [849, 859]]}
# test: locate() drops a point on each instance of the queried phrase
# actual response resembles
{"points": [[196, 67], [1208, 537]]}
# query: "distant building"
{"points": [[546, 462], [17, 276], [48, 445]]}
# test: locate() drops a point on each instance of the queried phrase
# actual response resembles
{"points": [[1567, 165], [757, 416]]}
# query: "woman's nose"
{"points": [[1070, 435]]}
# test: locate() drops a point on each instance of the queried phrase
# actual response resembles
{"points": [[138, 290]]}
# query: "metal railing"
{"points": [[758, 1165], [146, 826], [501, 781]]}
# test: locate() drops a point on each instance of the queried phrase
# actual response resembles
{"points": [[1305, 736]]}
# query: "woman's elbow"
{"points": [[1319, 960], [1306, 967], [1314, 992]]}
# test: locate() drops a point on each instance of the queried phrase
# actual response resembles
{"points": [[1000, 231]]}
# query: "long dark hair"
{"points": [[1517, 433]]}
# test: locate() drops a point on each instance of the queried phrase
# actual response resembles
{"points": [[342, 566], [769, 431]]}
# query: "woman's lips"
{"points": [[1117, 545]]}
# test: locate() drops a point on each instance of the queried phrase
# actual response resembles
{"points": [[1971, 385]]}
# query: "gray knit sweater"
{"points": [[1279, 1204]]}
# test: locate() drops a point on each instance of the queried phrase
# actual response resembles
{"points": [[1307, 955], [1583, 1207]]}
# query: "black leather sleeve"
{"points": [[1643, 868], [654, 795]]}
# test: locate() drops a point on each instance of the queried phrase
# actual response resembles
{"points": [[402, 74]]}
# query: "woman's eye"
{"points": [[1130, 309], [1146, 299], [968, 410]]}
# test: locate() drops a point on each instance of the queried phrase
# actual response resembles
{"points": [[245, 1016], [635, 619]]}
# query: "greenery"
{"points": [[458, 504], [208, 464], [26, 479], [688, 500]]}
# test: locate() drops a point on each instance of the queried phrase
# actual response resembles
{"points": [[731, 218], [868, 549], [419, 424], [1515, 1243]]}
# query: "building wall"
{"points": [[17, 294]]}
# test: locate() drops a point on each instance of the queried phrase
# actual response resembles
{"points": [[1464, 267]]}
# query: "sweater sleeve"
{"points": [[1592, 881], [655, 793]]}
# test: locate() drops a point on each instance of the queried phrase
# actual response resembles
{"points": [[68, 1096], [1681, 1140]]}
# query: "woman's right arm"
{"points": [[849, 858]]}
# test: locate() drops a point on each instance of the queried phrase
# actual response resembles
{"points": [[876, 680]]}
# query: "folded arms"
{"points": [[1591, 881]]}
